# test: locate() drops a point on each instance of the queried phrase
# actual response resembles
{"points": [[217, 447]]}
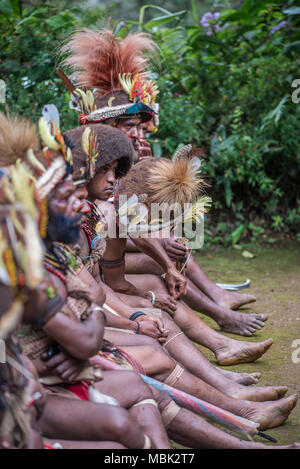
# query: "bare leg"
{"points": [[66, 444], [199, 299], [98, 422], [130, 390], [226, 350], [222, 297], [191, 430], [158, 364], [228, 320], [139, 263], [122, 338]]}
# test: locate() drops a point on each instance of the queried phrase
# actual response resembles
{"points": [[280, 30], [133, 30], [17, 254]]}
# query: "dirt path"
{"points": [[275, 281]]}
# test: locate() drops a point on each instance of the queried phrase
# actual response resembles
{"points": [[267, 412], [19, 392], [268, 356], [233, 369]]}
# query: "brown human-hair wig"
{"points": [[112, 145]]}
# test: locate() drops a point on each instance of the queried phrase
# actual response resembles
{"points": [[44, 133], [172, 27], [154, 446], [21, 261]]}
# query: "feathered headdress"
{"points": [[116, 69], [19, 141], [46, 167], [21, 249]]}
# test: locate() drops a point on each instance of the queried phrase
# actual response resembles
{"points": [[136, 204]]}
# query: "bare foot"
{"points": [[258, 394], [271, 414], [241, 378], [233, 300], [241, 323], [235, 352]]}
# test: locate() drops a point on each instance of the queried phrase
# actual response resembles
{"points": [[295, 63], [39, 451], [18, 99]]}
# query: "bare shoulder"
{"points": [[106, 208]]}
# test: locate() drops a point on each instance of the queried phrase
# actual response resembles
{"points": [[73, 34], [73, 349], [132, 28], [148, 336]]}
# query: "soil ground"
{"points": [[275, 281]]}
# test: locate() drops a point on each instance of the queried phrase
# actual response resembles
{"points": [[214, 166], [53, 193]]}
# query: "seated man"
{"points": [[101, 182], [79, 335], [116, 70]]}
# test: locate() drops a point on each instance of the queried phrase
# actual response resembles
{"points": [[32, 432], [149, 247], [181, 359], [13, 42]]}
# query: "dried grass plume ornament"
{"points": [[115, 69], [161, 181]]}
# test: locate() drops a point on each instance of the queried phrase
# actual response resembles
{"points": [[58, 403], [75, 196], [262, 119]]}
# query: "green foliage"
{"points": [[229, 92], [28, 54], [225, 87]]}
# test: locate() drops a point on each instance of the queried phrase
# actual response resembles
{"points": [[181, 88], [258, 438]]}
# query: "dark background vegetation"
{"points": [[225, 86]]}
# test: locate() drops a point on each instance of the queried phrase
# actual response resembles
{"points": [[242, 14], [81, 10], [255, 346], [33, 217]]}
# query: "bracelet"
{"points": [[153, 297], [99, 308], [138, 327], [135, 315]]}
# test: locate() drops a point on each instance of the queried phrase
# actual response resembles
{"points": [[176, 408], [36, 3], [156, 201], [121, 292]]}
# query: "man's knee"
{"points": [[139, 390], [119, 424]]}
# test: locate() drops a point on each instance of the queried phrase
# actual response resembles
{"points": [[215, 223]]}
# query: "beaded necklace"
{"points": [[57, 262], [89, 224]]}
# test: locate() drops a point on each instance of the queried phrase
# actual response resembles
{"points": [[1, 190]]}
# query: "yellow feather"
{"points": [[85, 140], [34, 161], [46, 136]]}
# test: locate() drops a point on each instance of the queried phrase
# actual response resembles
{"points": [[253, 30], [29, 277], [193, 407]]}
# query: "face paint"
{"points": [[64, 217]]}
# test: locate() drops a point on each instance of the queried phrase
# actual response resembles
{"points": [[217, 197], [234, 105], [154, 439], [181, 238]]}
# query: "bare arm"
{"points": [[82, 339], [154, 248], [114, 275]]}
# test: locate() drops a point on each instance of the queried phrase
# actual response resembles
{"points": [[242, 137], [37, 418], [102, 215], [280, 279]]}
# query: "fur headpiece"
{"points": [[96, 146], [115, 69]]}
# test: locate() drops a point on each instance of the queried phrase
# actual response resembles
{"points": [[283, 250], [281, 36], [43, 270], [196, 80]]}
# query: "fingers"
{"points": [[166, 307], [171, 288], [182, 287], [176, 248], [161, 328], [56, 360], [70, 374]]}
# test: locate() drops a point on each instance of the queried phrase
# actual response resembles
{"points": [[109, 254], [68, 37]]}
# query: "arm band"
{"points": [[116, 263], [135, 315]]}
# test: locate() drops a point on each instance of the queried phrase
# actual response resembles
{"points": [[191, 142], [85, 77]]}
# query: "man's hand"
{"points": [[64, 366], [165, 302], [176, 283], [153, 327], [175, 250], [144, 150]]}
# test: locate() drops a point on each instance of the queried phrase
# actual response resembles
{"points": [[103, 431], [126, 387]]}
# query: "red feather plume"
{"points": [[96, 58]]}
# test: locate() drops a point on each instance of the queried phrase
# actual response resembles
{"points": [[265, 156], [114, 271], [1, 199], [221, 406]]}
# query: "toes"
{"points": [[267, 344], [256, 375], [262, 317], [281, 390], [259, 323]]}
